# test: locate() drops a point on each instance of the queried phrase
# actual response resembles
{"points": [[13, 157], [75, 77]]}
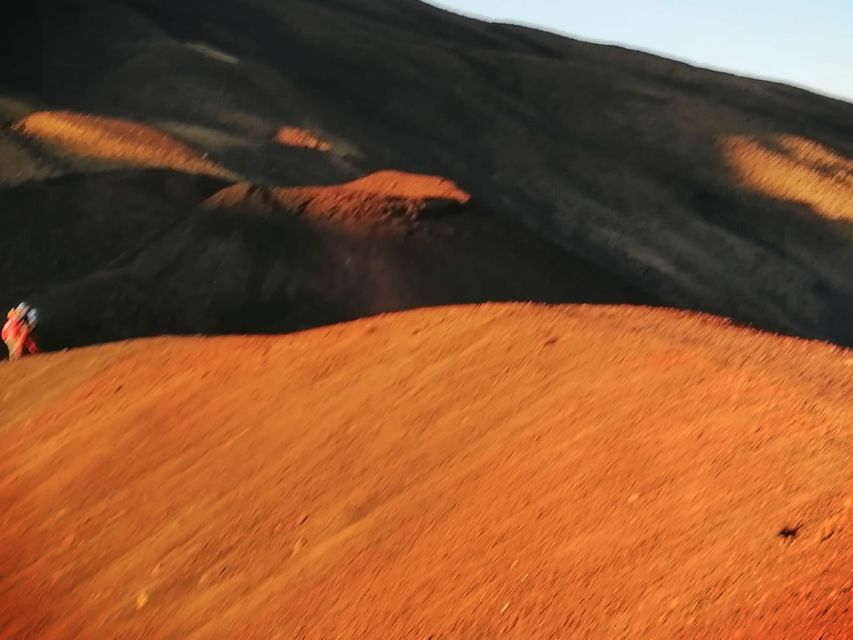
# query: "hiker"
{"points": [[17, 332]]}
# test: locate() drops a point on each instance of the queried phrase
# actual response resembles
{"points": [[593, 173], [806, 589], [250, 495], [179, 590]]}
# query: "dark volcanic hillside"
{"points": [[628, 178]]}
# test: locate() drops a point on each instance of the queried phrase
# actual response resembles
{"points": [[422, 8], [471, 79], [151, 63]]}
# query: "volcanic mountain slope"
{"points": [[663, 182], [501, 471]]}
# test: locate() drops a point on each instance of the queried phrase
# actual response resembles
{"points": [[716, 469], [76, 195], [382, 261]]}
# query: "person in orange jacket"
{"points": [[17, 332]]}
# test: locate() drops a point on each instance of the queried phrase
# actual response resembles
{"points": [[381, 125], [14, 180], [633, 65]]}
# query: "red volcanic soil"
{"points": [[376, 196], [295, 137], [466, 472], [115, 139]]}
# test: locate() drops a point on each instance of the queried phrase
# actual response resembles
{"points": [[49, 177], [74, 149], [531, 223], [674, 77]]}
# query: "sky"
{"points": [[808, 43]]}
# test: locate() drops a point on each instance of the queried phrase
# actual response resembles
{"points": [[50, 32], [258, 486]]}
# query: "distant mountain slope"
{"points": [[671, 179]]}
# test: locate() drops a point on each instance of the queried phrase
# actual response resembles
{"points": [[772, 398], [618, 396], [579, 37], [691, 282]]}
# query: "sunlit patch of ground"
{"points": [[376, 196], [790, 167], [295, 137], [509, 471], [116, 140]]}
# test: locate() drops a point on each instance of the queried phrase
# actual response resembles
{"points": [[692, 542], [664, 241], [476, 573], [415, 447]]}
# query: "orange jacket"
{"points": [[17, 336]]}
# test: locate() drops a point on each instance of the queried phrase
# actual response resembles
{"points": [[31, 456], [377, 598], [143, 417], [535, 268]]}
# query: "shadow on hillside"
{"points": [[611, 158], [119, 262]]}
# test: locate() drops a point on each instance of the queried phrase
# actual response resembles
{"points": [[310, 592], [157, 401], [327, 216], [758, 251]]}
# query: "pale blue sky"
{"points": [[808, 43]]}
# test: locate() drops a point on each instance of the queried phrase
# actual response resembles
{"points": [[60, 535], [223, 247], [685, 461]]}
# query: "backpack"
{"points": [[27, 314]]}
